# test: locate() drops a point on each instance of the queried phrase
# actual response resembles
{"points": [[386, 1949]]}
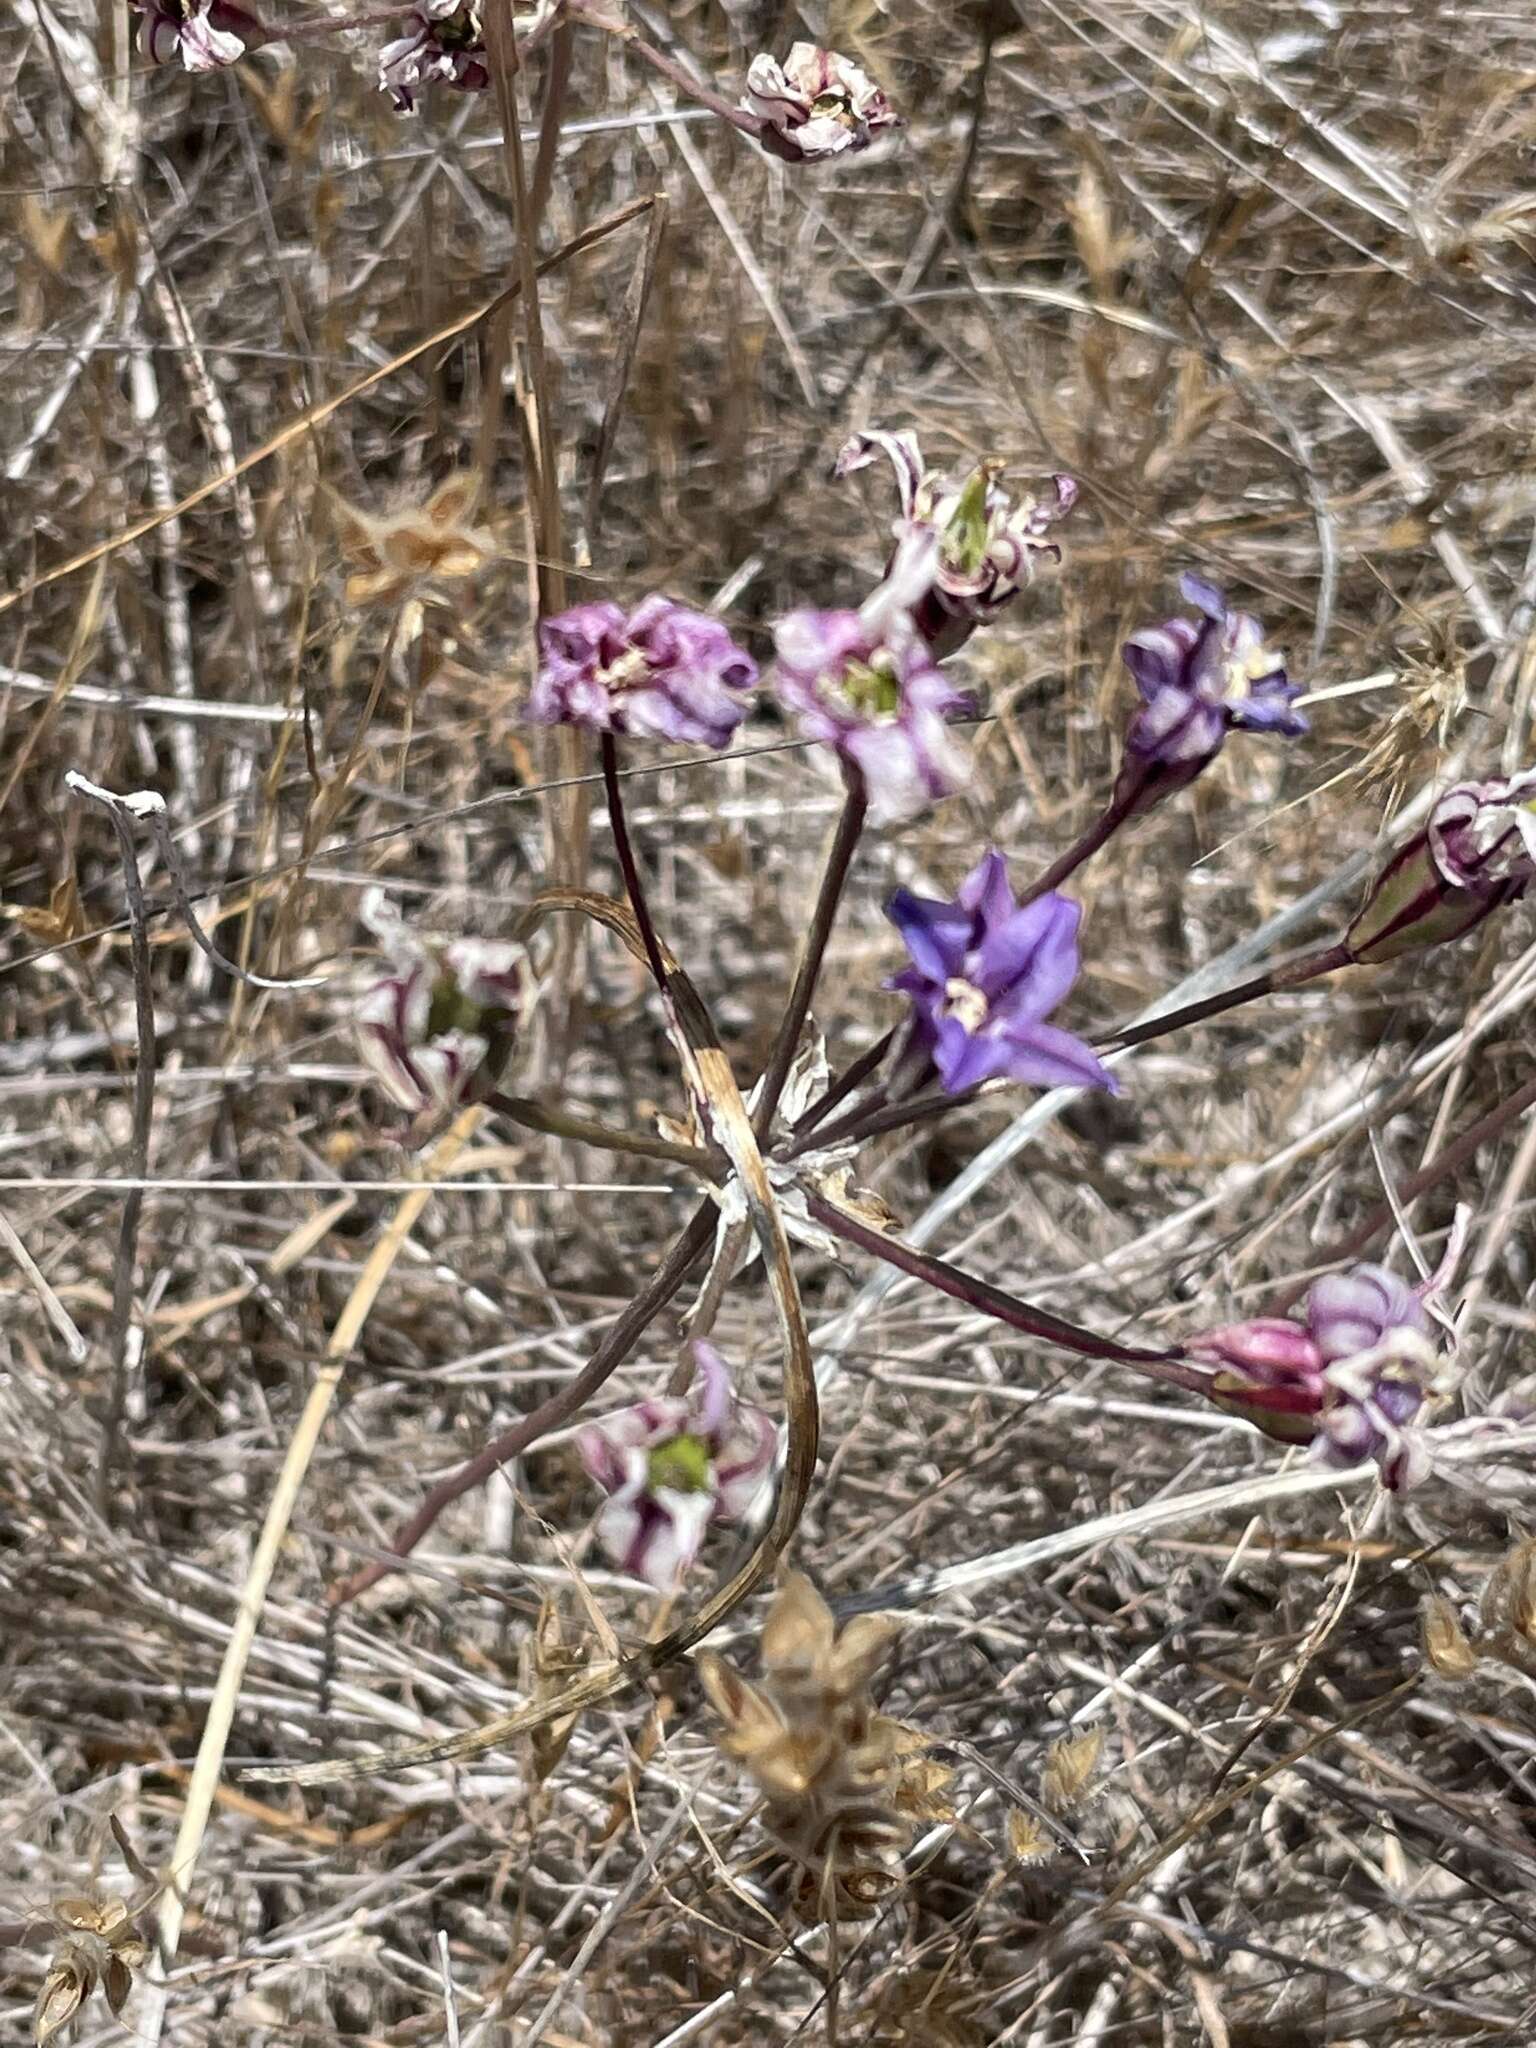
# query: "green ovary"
{"points": [[451, 1009], [873, 692], [680, 1466]]}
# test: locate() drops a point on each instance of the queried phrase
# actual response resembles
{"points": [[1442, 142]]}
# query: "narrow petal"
{"points": [[935, 934], [1048, 1058], [1029, 962]]}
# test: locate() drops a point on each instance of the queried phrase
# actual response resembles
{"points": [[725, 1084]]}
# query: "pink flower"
{"points": [[661, 672], [673, 1465], [1476, 853], [815, 104], [443, 40], [201, 34]]}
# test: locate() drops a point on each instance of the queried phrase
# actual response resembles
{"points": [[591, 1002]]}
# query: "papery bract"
{"points": [[660, 672], [815, 104], [1476, 852], [1199, 679], [673, 1465], [990, 543], [443, 1014], [985, 975]]}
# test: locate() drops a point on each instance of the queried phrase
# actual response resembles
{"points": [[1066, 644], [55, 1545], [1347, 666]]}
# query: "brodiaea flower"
{"points": [[984, 977], [202, 34], [672, 1466], [442, 1015], [662, 672], [866, 684], [990, 543], [1349, 1377], [443, 40], [1199, 679], [815, 104], [1476, 853]]}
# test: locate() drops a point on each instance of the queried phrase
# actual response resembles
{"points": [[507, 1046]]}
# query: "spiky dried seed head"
{"points": [[1028, 1841], [1069, 1765]]}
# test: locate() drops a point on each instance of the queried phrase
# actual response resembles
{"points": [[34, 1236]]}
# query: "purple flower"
{"points": [[984, 977], [1349, 1377], [442, 1015], [662, 673], [673, 1465], [1199, 680], [989, 543], [443, 40], [204, 35], [815, 104], [1476, 853]]}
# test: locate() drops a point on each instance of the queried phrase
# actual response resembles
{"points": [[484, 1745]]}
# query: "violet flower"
{"points": [[443, 40], [673, 1465], [1199, 680], [1349, 1376], [815, 104], [989, 543], [984, 977], [204, 35], [662, 673], [1476, 853], [443, 1014]]}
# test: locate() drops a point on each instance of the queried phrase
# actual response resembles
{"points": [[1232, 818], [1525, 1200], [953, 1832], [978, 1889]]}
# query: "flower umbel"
{"points": [[442, 1016], [203, 35], [984, 977], [443, 40], [815, 104], [1199, 679], [672, 1466], [1476, 853], [1349, 1376], [990, 543], [662, 672]]}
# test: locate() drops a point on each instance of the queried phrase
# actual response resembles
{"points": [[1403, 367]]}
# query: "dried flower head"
{"points": [[842, 1784], [201, 35], [985, 975], [989, 543], [815, 104], [1069, 1767], [1476, 853], [673, 1465], [442, 41], [442, 1017], [661, 672], [434, 542], [1199, 679], [1447, 1647], [102, 1944], [1504, 1638]]}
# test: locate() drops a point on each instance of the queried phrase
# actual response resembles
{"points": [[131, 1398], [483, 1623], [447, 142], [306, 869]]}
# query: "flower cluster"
{"points": [[1199, 679], [660, 672], [1349, 1377], [815, 104], [673, 1465], [985, 975], [988, 543], [440, 1020]]}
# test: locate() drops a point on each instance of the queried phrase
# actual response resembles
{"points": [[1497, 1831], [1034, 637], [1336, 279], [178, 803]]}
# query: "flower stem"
{"points": [[1099, 833], [629, 868], [627, 1330], [824, 916], [850, 1078], [1328, 960], [750, 124], [992, 1301], [562, 1123]]}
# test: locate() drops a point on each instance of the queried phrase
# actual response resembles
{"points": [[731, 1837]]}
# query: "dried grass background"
{"points": [[1262, 277]]}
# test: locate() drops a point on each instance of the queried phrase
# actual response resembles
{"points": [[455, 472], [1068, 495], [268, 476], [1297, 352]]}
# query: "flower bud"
{"points": [[1476, 853]]}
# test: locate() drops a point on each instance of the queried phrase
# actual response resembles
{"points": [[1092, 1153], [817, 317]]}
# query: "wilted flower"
{"points": [[442, 40], [673, 1465], [1476, 853], [1349, 1377], [661, 673], [985, 975], [204, 35], [990, 543], [1199, 679], [443, 1014], [432, 542], [815, 104]]}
